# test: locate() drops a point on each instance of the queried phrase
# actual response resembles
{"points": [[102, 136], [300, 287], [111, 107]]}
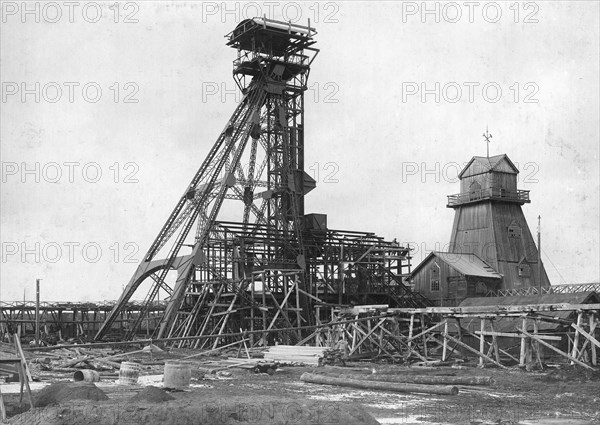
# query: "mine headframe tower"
{"points": [[256, 165]]}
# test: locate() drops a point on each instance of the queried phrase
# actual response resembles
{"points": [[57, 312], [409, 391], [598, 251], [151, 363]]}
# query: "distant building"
{"points": [[491, 246]]}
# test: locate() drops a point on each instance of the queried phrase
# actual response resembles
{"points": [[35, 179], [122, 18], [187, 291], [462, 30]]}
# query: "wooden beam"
{"points": [[460, 329], [482, 344], [593, 340], [310, 296], [410, 331], [517, 335], [367, 335], [524, 343], [416, 353], [544, 343], [471, 349], [576, 339], [411, 338], [495, 342], [497, 309], [203, 353], [592, 332], [445, 346], [424, 336]]}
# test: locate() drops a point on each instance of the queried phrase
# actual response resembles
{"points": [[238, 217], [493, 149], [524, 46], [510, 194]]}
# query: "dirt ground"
{"points": [[561, 396]]}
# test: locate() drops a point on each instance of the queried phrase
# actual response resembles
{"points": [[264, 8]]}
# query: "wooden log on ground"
{"points": [[74, 362], [108, 362], [417, 379], [379, 385]]}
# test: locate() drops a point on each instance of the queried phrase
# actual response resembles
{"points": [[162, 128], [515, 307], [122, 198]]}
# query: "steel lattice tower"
{"points": [[246, 256], [257, 160]]}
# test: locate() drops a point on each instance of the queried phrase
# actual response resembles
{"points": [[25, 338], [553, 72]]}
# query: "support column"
{"points": [[593, 334], [576, 338], [37, 312], [410, 331], [445, 346], [523, 344], [424, 336]]}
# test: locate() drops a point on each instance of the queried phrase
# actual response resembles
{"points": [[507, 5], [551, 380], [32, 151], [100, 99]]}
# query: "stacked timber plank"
{"points": [[292, 354]]}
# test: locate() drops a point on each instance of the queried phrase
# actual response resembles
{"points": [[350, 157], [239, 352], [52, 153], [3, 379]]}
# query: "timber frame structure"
{"points": [[256, 262], [69, 319], [439, 334]]}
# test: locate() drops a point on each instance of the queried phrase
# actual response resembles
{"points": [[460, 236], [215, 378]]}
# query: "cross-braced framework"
{"points": [[499, 336], [257, 262], [71, 319], [554, 289]]}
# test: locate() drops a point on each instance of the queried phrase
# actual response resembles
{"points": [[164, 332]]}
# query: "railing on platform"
{"points": [[493, 193], [555, 289]]}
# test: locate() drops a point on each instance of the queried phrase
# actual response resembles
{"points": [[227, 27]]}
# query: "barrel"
{"points": [[129, 373], [177, 374], [86, 375]]}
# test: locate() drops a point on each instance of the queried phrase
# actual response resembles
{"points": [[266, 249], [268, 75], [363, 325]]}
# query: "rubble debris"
{"points": [[333, 357]]}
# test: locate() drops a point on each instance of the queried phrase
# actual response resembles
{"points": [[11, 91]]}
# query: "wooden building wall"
{"points": [[495, 180], [454, 286], [497, 232]]}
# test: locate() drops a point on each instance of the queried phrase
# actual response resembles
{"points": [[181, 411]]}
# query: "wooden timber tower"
{"points": [[489, 222]]}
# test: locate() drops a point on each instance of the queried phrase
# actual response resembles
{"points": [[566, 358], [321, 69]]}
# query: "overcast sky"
{"points": [[398, 102]]}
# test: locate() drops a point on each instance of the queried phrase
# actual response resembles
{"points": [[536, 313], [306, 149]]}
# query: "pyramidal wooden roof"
{"points": [[482, 164]]}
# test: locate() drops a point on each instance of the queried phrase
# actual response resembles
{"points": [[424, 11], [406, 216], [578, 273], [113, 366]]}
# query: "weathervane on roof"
{"points": [[487, 136]]}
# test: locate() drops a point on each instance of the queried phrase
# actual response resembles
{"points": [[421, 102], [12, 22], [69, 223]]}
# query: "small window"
{"points": [[434, 277], [514, 232], [524, 270], [480, 288], [475, 190]]}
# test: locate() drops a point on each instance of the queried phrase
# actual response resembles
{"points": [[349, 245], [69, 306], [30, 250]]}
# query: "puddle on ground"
{"points": [[15, 387], [561, 421], [406, 420]]}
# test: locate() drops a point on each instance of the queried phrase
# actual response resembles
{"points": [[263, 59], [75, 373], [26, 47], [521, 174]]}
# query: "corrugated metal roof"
{"points": [[466, 264]]}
